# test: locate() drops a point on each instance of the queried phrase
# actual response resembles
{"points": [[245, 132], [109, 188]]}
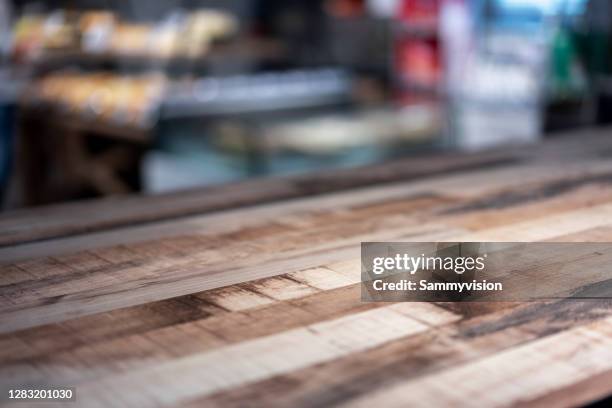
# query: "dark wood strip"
{"points": [[527, 194]]}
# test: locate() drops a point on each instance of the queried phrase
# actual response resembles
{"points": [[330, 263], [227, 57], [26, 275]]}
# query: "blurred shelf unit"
{"points": [[112, 91], [107, 76]]}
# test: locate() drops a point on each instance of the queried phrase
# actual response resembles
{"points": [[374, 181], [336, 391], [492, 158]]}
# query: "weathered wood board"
{"points": [[260, 306]]}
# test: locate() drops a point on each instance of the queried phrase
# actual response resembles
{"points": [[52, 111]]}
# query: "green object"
{"points": [[568, 77]]}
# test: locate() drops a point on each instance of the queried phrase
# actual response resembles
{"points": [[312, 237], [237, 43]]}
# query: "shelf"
{"points": [[238, 51], [258, 94]]}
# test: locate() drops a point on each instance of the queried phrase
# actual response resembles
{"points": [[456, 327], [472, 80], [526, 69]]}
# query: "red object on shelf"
{"points": [[419, 11], [418, 62]]}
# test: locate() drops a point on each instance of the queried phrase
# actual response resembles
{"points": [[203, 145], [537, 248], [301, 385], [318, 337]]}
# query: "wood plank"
{"points": [[146, 282], [521, 373]]}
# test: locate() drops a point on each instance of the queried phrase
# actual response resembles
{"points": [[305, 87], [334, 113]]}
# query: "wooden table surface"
{"points": [[249, 295]]}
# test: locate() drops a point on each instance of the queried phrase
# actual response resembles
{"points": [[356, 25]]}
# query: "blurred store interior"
{"points": [[109, 97]]}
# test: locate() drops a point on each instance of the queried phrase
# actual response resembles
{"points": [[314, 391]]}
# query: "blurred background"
{"points": [[106, 97]]}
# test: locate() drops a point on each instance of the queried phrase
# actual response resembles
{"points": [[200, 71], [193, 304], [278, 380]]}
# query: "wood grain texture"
{"points": [[260, 306]]}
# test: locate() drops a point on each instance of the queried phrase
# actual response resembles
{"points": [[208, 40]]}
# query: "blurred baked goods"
{"points": [[96, 28], [131, 100], [179, 34]]}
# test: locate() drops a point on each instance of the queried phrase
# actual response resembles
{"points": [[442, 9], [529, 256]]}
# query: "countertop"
{"points": [[249, 294]]}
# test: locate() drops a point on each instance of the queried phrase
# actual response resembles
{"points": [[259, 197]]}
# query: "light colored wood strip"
{"points": [[236, 298], [323, 278], [585, 392], [351, 268], [427, 313], [540, 229], [597, 234]]}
